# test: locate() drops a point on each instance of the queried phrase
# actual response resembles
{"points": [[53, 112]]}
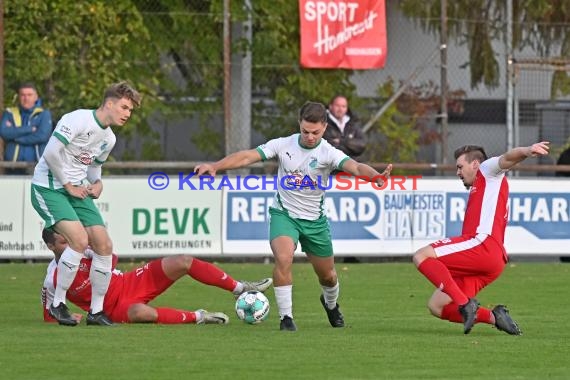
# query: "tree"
{"points": [[278, 76], [538, 24], [73, 50], [172, 51]]}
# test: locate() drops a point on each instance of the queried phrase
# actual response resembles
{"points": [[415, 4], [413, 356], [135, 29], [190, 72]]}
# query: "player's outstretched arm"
{"points": [[233, 161], [516, 155], [367, 171]]}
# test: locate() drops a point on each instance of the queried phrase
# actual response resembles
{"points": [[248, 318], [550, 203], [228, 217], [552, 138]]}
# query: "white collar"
{"points": [[339, 123]]}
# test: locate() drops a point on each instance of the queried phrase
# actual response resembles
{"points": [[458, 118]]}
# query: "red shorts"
{"points": [[141, 285], [473, 261]]}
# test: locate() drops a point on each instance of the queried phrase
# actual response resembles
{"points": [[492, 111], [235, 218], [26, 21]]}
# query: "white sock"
{"points": [[67, 267], [331, 295], [100, 277], [238, 289], [284, 299]]}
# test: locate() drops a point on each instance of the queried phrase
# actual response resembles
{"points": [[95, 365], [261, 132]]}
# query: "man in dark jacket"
{"points": [[343, 131], [25, 128]]}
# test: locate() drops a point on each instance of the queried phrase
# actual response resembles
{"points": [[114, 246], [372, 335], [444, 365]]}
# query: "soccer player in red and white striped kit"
{"points": [[129, 293], [461, 266]]}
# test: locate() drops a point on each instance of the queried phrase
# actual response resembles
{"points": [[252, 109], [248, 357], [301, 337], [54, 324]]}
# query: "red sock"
{"points": [[168, 316], [210, 274], [450, 312], [484, 315], [439, 275]]}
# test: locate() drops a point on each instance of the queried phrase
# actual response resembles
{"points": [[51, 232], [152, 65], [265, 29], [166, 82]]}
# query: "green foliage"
{"points": [[561, 79], [277, 74], [556, 151], [538, 24], [208, 141], [409, 122], [74, 50], [394, 137], [189, 34], [172, 51]]}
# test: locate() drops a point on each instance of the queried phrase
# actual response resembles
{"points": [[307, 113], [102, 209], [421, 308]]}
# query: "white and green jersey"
{"points": [[303, 174], [87, 143]]}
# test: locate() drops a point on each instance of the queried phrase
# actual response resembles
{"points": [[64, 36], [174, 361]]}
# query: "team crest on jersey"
{"points": [[83, 267], [313, 163]]}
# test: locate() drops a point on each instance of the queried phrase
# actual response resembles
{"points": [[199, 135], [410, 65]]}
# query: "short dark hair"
{"points": [[48, 236], [313, 112], [31, 85], [123, 90], [471, 152], [336, 96]]}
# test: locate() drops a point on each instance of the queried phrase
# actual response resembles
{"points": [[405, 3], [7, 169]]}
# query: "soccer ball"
{"points": [[252, 307]]}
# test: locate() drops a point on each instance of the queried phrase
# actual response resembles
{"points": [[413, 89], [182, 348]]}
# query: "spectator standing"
{"points": [[1, 154], [25, 128], [343, 131]]}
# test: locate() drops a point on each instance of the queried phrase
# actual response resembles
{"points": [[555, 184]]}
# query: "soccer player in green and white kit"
{"points": [[66, 180], [297, 213]]}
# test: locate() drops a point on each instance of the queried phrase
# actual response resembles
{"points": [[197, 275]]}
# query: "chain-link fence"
{"points": [[542, 107], [229, 78]]}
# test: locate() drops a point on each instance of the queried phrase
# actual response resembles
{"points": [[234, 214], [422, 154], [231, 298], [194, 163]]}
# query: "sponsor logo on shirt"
{"points": [[84, 158], [65, 130]]}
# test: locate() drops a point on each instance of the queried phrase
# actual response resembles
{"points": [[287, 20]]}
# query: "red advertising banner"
{"points": [[343, 34]]}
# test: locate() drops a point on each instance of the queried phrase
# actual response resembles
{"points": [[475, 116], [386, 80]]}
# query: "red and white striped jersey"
{"points": [[487, 206]]}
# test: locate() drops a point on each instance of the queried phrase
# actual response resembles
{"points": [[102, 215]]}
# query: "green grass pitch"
{"points": [[390, 334]]}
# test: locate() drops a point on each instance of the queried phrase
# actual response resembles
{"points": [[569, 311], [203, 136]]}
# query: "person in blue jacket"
{"points": [[25, 128]]}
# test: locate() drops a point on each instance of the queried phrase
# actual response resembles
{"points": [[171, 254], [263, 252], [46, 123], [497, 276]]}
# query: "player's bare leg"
{"points": [[437, 302], [176, 267], [326, 272]]}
